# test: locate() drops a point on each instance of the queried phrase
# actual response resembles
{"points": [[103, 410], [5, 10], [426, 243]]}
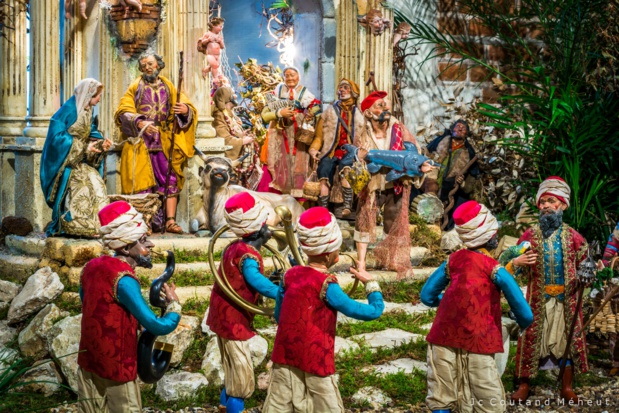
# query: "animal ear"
{"points": [[200, 169], [207, 168]]}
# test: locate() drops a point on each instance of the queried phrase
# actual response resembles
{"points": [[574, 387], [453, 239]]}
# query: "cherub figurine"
{"points": [[401, 32], [211, 44], [374, 21], [135, 4]]}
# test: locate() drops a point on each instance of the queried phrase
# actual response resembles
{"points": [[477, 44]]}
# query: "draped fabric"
{"points": [[136, 168], [306, 332], [65, 152], [469, 316], [226, 318], [574, 249], [108, 345]]}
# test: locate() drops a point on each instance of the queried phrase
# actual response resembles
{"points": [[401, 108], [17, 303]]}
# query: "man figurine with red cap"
{"points": [[550, 268], [383, 132], [467, 330], [112, 308], [306, 309], [243, 267]]}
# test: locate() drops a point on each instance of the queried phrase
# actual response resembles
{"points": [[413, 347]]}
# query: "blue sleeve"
{"points": [[518, 304], [279, 298], [337, 299], [434, 286], [257, 281], [130, 296], [81, 294]]}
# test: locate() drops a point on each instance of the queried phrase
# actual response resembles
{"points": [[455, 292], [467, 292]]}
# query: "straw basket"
{"points": [[311, 187], [146, 204]]}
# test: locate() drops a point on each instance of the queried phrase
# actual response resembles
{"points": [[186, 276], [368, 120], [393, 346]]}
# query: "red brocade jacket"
{"points": [[574, 248], [226, 318], [108, 345], [469, 315], [306, 332]]}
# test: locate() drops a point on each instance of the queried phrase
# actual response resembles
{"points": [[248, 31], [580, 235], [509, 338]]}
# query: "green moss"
{"points": [[396, 292], [186, 256], [397, 319], [195, 306]]}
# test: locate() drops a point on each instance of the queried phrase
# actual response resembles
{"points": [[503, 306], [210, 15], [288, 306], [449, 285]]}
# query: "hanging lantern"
{"points": [[587, 269], [134, 31]]}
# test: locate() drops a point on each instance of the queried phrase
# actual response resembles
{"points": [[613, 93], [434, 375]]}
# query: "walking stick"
{"points": [[586, 273], [450, 197], [175, 129]]}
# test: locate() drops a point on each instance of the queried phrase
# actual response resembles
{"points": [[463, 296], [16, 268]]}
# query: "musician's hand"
{"points": [[427, 166], [107, 144], [151, 129], [460, 179], [170, 292], [248, 139], [362, 275], [286, 113], [527, 259], [180, 109], [314, 154]]}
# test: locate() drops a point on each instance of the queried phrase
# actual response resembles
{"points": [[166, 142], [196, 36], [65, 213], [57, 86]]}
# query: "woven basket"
{"points": [[305, 132], [146, 204], [311, 187]]}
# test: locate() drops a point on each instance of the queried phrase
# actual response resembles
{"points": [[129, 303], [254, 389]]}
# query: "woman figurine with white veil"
{"points": [[72, 165]]}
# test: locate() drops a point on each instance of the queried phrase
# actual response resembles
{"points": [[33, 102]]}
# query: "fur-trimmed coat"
{"points": [[327, 136]]}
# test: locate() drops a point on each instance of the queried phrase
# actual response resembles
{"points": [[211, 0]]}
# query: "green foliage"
{"points": [[397, 319], [195, 306], [560, 118], [71, 304], [396, 292], [186, 256], [192, 357], [192, 278], [425, 237]]}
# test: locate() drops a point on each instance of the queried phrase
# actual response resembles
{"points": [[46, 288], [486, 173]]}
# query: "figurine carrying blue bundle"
{"points": [[402, 163]]}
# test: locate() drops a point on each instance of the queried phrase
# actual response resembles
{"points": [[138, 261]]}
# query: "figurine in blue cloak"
{"points": [[72, 165]]}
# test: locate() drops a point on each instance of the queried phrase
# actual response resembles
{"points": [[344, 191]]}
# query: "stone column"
{"points": [[13, 99], [376, 55], [347, 60], [186, 21], [44, 98]]}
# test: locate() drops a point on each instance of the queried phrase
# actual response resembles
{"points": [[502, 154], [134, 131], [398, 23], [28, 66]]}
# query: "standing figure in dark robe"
{"points": [[146, 117]]}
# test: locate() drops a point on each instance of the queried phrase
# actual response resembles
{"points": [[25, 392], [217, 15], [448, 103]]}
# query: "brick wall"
{"points": [[480, 42]]}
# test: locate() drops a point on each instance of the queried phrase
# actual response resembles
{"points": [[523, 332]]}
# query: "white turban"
{"points": [[318, 232], [474, 224], [245, 214], [555, 186], [121, 225]]}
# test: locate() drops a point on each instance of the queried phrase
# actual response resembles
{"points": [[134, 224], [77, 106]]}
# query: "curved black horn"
{"points": [[154, 357]]}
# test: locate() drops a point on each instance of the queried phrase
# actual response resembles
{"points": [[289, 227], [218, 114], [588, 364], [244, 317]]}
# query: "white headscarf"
{"points": [[124, 230], [85, 90], [320, 239], [479, 229], [245, 223]]}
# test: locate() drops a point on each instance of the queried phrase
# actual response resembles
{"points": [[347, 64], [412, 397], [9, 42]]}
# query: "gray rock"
{"points": [[180, 385], [8, 356], [181, 338], [42, 288], [270, 331], [7, 333], [206, 329], [211, 364], [44, 378], [371, 395], [343, 346], [8, 291], [501, 358], [405, 365], [33, 339], [63, 342], [389, 338], [19, 245]]}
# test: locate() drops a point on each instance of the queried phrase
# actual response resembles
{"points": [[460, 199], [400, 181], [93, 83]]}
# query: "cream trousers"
{"points": [[99, 395]]}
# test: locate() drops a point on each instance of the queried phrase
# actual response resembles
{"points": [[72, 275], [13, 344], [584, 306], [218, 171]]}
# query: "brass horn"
{"points": [[283, 237], [154, 357]]}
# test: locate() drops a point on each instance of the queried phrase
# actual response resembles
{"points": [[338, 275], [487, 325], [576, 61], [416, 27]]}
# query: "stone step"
{"points": [[389, 338], [17, 268], [405, 365], [29, 245]]}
